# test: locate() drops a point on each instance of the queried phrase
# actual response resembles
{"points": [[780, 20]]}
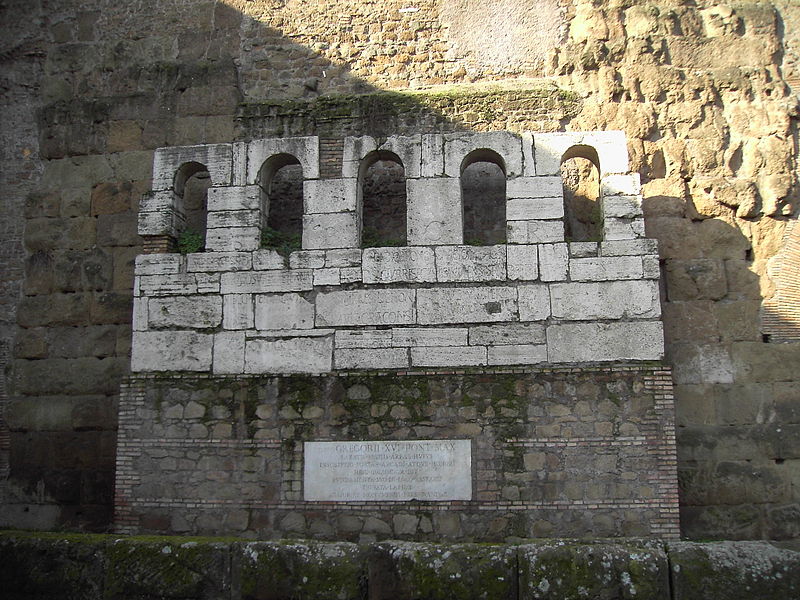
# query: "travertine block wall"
{"points": [[436, 302]]}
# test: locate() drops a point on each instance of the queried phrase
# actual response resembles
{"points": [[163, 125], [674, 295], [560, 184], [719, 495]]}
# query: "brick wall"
{"points": [[581, 451]]}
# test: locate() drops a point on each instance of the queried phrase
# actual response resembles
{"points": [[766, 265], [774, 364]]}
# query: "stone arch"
{"points": [[190, 188], [382, 198], [281, 182], [583, 210], [483, 197]]}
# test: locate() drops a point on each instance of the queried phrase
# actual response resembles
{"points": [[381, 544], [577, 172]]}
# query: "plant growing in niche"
{"points": [[190, 241], [283, 243]]}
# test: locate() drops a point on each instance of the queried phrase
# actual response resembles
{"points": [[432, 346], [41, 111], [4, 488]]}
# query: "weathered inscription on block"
{"points": [[388, 470]]}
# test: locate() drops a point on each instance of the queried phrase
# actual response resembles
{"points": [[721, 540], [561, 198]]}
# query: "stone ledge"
{"points": [[51, 565]]}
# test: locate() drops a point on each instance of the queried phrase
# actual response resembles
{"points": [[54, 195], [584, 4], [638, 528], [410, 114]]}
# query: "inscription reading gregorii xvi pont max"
{"points": [[388, 470]]}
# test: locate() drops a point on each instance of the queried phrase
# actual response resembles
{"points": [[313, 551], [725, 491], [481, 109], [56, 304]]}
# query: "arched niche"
{"points": [[190, 187], [583, 211], [483, 197], [281, 181], [383, 200]]}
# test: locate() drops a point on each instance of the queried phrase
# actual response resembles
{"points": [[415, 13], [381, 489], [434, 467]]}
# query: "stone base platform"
{"points": [[56, 566], [565, 451]]}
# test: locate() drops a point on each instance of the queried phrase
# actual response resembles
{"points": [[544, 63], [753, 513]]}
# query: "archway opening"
{"points": [[192, 181], [483, 198], [583, 211], [281, 183], [382, 186]]}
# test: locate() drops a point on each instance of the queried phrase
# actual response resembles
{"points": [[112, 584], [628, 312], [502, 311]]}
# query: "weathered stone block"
{"points": [[584, 249], [517, 354], [283, 311], [180, 284], [388, 265], [721, 570], [313, 570], [195, 312], [266, 260], [507, 335], [217, 261], [355, 149], [217, 158], [697, 279], [350, 274], [759, 362], [156, 223], [371, 358], [610, 300], [605, 268], [334, 230], [602, 570], [304, 149], [553, 262], [404, 570], [615, 228], [53, 309], [432, 336], [364, 338], [77, 233], [233, 219], [348, 257], [522, 262], [327, 277], [620, 185], [307, 259], [524, 209], [434, 211], [466, 305], [432, 155], [366, 307], [75, 342], [228, 353], [234, 198], [626, 207], [470, 263], [158, 264], [407, 149], [535, 232], [330, 195], [237, 311], [589, 342], [74, 376], [157, 201], [629, 247], [611, 148], [266, 281], [171, 351], [448, 356], [534, 302], [291, 355], [458, 145], [551, 188], [235, 239], [34, 566]]}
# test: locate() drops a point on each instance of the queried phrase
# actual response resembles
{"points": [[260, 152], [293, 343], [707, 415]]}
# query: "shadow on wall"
{"points": [[736, 413], [115, 87]]}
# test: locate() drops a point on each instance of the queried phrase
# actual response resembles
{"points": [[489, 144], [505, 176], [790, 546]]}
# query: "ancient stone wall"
{"points": [[239, 307], [52, 566], [579, 452], [704, 93]]}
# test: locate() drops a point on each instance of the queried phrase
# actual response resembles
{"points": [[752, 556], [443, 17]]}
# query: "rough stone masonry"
{"points": [[705, 92], [572, 431]]}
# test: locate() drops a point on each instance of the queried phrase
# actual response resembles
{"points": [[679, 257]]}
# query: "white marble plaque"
{"points": [[388, 470]]}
